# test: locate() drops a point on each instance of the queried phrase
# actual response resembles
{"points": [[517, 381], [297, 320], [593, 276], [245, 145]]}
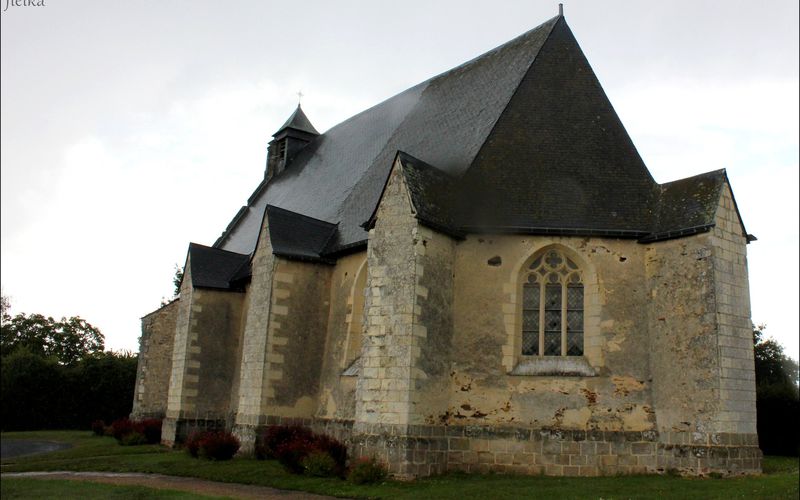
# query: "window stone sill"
{"points": [[556, 366]]}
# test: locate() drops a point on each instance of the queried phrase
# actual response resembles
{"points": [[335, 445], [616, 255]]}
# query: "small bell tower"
{"points": [[292, 137]]}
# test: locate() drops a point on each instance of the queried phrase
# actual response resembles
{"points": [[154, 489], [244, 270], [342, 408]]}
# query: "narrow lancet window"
{"points": [[552, 307]]}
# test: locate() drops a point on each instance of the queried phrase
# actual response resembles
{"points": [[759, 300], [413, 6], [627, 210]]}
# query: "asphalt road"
{"points": [[10, 448]]}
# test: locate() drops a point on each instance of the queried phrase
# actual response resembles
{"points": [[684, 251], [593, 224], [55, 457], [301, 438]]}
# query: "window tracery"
{"points": [[552, 306]]}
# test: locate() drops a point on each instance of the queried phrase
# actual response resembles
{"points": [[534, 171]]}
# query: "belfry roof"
{"points": [[521, 139], [298, 121]]}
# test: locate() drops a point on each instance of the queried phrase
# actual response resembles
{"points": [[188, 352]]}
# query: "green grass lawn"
{"points": [[91, 453], [64, 489]]}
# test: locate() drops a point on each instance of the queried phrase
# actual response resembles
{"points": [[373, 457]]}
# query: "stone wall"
{"points": [[422, 450], [684, 358], [253, 377], [737, 390], [178, 399], [345, 330], [484, 389], [252, 397], [425, 450], [296, 337], [211, 361], [284, 340], [155, 362], [385, 389], [217, 323], [419, 363]]}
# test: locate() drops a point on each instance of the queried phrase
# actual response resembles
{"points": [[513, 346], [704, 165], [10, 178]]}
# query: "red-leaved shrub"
{"points": [[219, 445], [214, 445], [150, 428], [291, 444], [121, 427], [192, 443], [276, 435], [98, 427]]}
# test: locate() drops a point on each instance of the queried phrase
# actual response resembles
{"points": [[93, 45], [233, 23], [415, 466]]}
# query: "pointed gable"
{"points": [[559, 157]]}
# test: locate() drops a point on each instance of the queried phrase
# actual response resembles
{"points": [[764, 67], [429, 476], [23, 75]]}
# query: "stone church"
{"points": [[477, 274]]}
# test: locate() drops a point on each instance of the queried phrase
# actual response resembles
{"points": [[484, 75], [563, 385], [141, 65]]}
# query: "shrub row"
{"points": [[300, 450], [213, 445], [39, 393], [130, 432], [366, 470]]}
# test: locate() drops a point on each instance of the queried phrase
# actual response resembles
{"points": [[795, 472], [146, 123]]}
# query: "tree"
{"points": [[777, 397], [177, 280], [773, 367], [67, 340], [41, 393], [5, 305]]}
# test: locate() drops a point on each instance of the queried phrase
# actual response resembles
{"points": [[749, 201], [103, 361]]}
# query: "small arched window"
{"points": [[552, 307]]}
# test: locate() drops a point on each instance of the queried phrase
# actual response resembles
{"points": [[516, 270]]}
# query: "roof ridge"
{"points": [[439, 75], [706, 174], [489, 52]]}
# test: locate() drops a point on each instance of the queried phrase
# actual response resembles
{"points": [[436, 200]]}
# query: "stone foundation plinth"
{"points": [[176, 430], [420, 450]]}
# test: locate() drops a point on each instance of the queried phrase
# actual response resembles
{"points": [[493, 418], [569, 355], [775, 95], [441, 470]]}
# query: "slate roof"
{"points": [[688, 206], [298, 121], [432, 194], [298, 236], [216, 268], [521, 139]]}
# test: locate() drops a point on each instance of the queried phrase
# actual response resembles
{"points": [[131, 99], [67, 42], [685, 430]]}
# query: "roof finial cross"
{"points": [[299, 97]]}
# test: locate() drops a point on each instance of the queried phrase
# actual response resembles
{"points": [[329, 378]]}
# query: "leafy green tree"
{"points": [[177, 279], [5, 305], [67, 340], [773, 367], [777, 396], [41, 393]]}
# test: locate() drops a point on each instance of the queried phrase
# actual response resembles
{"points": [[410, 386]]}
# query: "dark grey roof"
{"points": [[432, 194], [445, 120], [521, 139], [216, 268], [297, 236], [298, 121], [558, 157], [689, 206]]}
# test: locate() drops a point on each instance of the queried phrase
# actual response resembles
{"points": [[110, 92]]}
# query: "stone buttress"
{"points": [[283, 341]]}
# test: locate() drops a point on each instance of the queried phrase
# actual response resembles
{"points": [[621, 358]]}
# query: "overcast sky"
{"points": [[130, 129]]}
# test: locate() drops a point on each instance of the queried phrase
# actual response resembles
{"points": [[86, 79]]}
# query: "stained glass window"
{"points": [[552, 307]]}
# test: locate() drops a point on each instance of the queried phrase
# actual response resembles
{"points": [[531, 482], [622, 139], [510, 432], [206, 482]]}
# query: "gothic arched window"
{"points": [[552, 306]]}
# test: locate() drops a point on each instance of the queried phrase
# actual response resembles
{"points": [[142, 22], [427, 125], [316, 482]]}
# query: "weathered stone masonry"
{"points": [[434, 392], [381, 297], [155, 362]]}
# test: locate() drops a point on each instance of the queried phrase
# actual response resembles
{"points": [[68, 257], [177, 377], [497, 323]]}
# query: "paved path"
{"points": [[10, 448], [187, 484]]}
